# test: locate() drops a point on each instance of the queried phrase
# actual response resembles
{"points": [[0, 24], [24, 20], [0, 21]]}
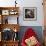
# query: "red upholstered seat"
{"points": [[29, 33]]}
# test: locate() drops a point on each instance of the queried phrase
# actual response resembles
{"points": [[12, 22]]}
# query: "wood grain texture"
{"points": [[44, 6], [11, 26], [9, 43]]}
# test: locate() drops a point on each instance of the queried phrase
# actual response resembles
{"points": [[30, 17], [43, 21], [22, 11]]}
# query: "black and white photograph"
{"points": [[30, 13]]}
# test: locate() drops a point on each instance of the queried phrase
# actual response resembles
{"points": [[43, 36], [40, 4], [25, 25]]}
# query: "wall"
{"points": [[38, 5], [27, 3]]}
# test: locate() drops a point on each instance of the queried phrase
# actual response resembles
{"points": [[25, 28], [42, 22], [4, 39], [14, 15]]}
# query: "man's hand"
{"points": [[31, 41]]}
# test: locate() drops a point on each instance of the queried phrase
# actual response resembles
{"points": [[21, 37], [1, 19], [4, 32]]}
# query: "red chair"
{"points": [[29, 33]]}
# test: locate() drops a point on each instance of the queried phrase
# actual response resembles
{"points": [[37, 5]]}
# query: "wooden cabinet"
{"points": [[10, 43], [9, 23], [8, 15]]}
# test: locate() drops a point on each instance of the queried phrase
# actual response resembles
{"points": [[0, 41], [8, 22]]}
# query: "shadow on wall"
{"points": [[37, 29]]}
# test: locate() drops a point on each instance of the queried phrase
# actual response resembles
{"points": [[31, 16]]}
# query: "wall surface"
{"points": [[38, 5], [26, 3]]}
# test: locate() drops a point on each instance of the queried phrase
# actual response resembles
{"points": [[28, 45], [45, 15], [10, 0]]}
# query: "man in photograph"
{"points": [[29, 13]]}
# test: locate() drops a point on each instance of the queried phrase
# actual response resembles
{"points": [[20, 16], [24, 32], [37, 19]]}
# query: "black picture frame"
{"points": [[30, 13]]}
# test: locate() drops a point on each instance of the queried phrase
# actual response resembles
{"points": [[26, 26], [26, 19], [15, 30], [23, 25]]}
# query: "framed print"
{"points": [[30, 13], [13, 12], [5, 12]]}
